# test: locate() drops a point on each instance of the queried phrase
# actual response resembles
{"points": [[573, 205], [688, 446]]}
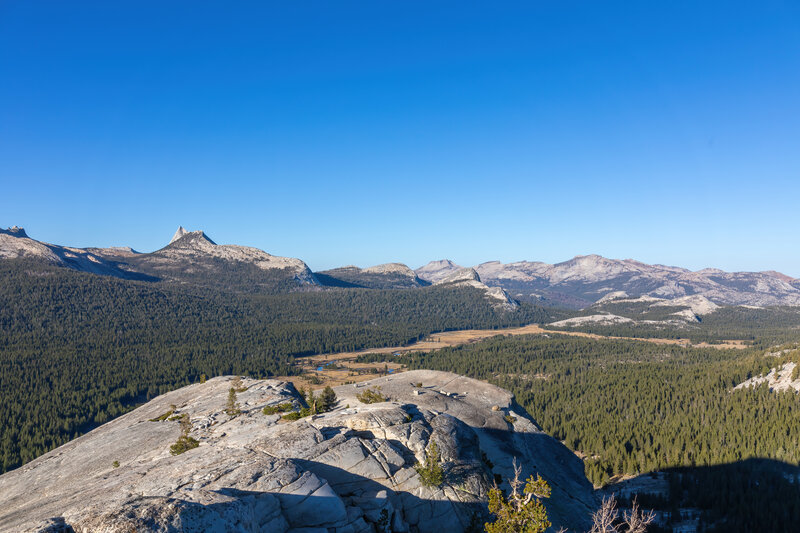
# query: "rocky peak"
{"points": [[436, 270], [588, 268], [440, 264], [351, 469], [185, 238], [197, 247], [16, 231], [391, 268], [180, 232], [15, 243]]}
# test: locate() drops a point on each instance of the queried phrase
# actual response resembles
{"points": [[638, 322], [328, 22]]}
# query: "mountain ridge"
{"points": [[586, 279], [191, 257]]}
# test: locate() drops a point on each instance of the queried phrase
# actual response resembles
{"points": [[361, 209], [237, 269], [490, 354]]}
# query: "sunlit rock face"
{"points": [[348, 470]]}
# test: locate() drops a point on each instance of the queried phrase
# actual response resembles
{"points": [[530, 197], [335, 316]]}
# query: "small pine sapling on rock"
{"points": [[371, 396], [184, 442], [430, 472], [523, 510], [232, 407]]}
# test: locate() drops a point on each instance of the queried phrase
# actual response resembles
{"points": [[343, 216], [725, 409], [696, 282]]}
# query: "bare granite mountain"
{"points": [[469, 277], [437, 270], [616, 308], [192, 252], [191, 257], [16, 244], [350, 470], [584, 280]]}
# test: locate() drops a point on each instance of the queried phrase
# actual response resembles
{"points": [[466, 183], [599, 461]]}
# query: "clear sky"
{"points": [[369, 132]]}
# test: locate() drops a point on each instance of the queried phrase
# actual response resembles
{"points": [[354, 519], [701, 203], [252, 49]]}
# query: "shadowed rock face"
{"points": [[347, 471], [387, 276]]}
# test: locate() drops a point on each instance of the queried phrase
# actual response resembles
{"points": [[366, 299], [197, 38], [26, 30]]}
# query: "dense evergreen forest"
{"points": [[77, 349], [631, 407], [762, 327]]}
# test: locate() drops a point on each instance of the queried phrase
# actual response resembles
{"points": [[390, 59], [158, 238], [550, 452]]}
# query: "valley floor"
{"points": [[340, 368]]}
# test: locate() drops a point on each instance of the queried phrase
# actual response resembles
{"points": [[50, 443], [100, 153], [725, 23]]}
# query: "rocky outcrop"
{"points": [[696, 304], [617, 308], [469, 277], [346, 471], [778, 379], [463, 274], [603, 319], [437, 270]]}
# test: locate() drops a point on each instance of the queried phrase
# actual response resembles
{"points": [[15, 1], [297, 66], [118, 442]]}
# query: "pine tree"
{"points": [[523, 510], [232, 407], [430, 472], [327, 399]]}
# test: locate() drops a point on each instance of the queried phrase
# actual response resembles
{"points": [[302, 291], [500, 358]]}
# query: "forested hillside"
{"points": [[77, 349], [762, 327], [631, 407]]}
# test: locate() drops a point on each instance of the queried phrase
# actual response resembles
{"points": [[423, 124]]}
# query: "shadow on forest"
{"points": [[330, 281], [743, 496]]}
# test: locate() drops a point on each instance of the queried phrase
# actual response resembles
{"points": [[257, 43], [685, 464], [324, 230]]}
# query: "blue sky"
{"points": [[368, 132]]}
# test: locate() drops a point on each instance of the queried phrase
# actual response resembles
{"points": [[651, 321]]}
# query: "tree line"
{"points": [[632, 407], [78, 349]]}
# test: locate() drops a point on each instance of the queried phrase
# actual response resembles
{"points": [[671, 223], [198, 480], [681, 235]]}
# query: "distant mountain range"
{"points": [[585, 280], [192, 258]]}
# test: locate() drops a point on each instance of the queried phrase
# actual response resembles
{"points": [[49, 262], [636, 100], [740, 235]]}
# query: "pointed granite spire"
{"points": [[178, 234], [190, 238]]}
